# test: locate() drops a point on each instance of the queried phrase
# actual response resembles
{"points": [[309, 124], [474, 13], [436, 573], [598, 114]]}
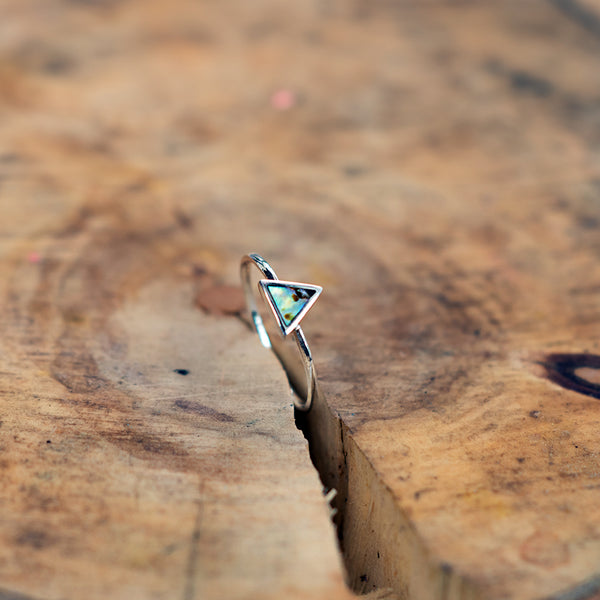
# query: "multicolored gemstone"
{"points": [[290, 301]]}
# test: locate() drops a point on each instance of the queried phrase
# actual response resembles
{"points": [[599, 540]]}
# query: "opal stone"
{"points": [[289, 300]]}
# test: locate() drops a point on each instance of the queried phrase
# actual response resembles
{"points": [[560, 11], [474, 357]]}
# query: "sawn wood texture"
{"points": [[434, 166]]}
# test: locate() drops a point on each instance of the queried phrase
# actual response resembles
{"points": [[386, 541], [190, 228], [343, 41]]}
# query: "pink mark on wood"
{"points": [[283, 99], [34, 257]]}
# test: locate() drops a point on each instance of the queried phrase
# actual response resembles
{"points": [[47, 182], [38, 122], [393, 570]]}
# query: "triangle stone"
{"points": [[289, 301]]}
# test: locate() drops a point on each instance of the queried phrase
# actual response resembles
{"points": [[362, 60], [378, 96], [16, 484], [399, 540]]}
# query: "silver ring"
{"points": [[289, 302]]}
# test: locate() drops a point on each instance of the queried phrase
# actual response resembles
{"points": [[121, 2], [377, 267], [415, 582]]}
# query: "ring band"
{"points": [[289, 302]]}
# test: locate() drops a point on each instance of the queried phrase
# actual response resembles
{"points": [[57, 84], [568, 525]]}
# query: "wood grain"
{"points": [[148, 449], [135, 463], [435, 169], [463, 287]]}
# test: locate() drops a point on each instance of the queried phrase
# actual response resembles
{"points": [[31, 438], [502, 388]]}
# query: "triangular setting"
{"points": [[289, 301]]}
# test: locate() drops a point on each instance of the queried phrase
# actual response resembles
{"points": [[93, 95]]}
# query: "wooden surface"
{"points": [[434, 166], [135, 464], [148, 449]]}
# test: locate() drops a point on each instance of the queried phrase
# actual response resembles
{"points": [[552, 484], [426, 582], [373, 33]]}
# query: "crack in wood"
{"points": [[376, 539]]}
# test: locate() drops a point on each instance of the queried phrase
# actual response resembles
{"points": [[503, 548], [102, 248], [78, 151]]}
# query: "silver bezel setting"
{"points": [[285, 330]]}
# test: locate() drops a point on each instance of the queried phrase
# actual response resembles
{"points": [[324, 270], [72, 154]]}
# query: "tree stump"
{"points": [[434, 167]]}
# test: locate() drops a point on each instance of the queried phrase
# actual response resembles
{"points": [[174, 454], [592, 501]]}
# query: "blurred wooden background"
{"points": [[434, 165]]}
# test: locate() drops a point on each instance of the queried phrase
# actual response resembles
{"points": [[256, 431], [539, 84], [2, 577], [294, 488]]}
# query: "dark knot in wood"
{"points": [[577, 372]]}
